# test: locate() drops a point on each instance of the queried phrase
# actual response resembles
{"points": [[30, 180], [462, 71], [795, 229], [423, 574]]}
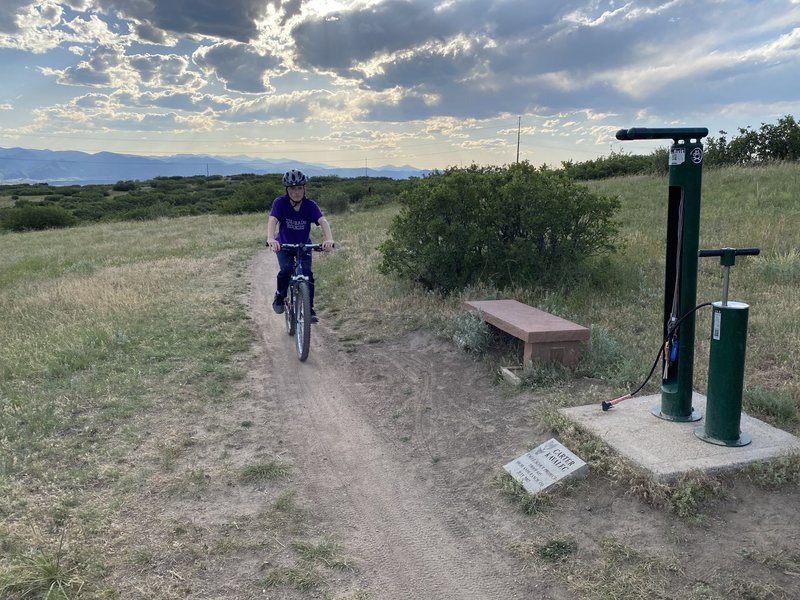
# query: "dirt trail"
{"points": [[384, 465]]}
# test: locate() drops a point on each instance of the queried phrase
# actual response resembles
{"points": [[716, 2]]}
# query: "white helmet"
{"points": [[294, 177]]}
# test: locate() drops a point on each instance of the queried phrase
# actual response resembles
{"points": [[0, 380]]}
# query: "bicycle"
{"points": [[298, 300]]}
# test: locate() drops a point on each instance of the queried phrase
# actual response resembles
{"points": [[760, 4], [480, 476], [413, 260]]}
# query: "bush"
{"points": [[498, 226], [471, 332], [35, 218], [250, 198], [334, 201], [617, 164], [124, 186]]}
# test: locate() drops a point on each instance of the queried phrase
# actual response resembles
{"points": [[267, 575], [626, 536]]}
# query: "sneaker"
{"points": [[314, 317], [277, 304]]}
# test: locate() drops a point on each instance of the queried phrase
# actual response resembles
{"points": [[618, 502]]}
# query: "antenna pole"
{"points": [[519, 128]]}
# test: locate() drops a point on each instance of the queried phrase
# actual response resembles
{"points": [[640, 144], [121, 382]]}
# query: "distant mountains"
{"points": [[21, 165]]}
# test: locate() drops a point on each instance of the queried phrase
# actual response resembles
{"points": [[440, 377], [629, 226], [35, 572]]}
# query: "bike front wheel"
{"points": [[302, 309]]}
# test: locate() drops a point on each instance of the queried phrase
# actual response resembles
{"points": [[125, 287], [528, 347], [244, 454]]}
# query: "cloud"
{"points": [[483, 59], [109, 66], [295, 106], [222, 19], [102, 69], [339, 44], [10, 11], [145, 32], [188, 102], [164, 71], [238, 66]]}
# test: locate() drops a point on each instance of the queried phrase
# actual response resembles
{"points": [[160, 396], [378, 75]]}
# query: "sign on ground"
{"points": [[546, 465]]}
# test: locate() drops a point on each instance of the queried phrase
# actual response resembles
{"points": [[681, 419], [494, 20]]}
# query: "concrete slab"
{"points": [[668, 449]]}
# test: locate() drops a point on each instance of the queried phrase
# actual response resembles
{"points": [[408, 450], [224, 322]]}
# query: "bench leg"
{"points": [[566, 353]]}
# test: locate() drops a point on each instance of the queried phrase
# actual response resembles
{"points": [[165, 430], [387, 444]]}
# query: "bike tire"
{"points": [[303, 318], [288, 311]]}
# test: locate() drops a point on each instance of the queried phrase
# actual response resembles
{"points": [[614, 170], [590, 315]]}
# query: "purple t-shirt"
{"points": [[295, 224]]}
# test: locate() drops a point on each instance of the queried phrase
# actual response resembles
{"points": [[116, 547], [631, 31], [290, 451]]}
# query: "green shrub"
{"points": [[471, 332], [34, 217], [250, 198], [617, 164], [505, 226], [334, 201], [124, 186]]}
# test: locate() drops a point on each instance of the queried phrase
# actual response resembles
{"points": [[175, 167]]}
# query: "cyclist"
{"points": [[294, 213]]}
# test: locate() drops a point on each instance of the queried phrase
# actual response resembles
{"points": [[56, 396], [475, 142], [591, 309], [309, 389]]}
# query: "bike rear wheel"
{"points": [[288, 312], [302, 309]]}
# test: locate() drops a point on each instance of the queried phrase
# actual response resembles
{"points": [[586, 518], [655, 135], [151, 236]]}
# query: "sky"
{"points": [[351, 83]]}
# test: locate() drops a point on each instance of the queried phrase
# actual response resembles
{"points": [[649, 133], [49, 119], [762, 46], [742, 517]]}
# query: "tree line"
{"points": [[749, 147], [42, 206]]}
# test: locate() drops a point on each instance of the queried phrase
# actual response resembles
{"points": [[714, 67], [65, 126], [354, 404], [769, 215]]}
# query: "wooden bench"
{"points": [[547, 337]]}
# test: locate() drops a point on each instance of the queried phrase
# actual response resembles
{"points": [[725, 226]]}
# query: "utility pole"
{"points": [[365, 168], [519, 128]]}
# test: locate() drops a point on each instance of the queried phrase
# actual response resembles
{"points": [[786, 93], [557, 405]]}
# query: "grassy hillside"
{"points": [[103, 323], [621, 296]]}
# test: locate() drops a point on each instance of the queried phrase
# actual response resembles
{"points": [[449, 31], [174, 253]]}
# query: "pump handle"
{"points": [[662, 133], [736, 252]]}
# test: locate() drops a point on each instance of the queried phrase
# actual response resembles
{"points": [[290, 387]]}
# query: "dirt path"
{"points": [[398, 480]]}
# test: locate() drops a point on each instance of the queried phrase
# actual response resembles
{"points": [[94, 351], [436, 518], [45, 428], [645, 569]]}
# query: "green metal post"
{"points": [[680, 279]]}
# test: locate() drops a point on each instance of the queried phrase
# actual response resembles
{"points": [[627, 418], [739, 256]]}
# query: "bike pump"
{"points": [[726, 360], [680, 280]]}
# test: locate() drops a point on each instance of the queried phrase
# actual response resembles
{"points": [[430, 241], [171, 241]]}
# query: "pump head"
{"points": [[662, 133]]}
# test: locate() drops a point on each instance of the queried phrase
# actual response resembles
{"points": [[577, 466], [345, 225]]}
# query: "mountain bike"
{"points": [[298, 300]]}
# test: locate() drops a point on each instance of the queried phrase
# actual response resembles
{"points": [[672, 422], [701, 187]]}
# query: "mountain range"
{"points": [[61, 167]]}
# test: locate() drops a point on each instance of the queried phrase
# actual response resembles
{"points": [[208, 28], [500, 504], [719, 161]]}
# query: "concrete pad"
{"points": [[668, 449]]}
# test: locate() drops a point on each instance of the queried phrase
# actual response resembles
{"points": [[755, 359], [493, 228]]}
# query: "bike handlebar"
{"points": [[315, 247]]}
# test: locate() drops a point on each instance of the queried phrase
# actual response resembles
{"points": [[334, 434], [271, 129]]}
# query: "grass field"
{"points": [[102, 323]]}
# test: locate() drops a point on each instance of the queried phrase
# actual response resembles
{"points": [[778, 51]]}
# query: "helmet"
{"points": [[294, 177]]}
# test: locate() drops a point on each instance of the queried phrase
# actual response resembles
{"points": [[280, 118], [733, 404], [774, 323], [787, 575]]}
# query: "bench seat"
{"points": [[546, 337]]}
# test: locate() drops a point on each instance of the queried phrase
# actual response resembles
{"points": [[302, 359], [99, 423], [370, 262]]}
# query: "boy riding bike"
{"points": [[294, 214]]}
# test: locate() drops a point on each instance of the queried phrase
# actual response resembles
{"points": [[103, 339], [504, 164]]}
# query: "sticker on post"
{"points": [[717, 324], [546, 465], [677, 156]]}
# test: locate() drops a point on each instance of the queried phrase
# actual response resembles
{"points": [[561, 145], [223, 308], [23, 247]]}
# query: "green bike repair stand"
{"points": [[726, 361], [680, 280]]}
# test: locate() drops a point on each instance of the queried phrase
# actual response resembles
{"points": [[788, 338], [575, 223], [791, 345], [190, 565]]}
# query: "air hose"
{"points": [[609, 404]]}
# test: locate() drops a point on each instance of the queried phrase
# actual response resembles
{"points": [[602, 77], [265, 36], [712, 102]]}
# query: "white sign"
{"points": [[543, 466], [677, 156]]}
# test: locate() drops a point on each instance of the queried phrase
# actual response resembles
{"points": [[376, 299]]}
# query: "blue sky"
{"points": [[376, 82]]}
